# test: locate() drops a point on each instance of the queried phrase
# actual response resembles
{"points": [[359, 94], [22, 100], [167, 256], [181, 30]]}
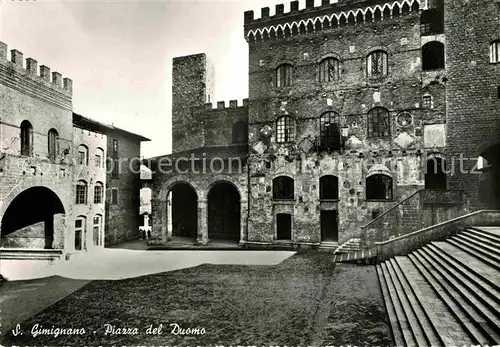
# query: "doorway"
{"points": [[283, 226], [329, 226]]}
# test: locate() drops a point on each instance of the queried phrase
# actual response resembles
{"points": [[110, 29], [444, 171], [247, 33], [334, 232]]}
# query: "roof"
{"points": [[93, 125], [223, 152]]}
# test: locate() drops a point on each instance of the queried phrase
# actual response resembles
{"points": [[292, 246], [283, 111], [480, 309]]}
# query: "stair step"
{"points": [[481, 238], [483, 234], [406, 304], [403, 322], [494, 231], [475, 265], [474, 251], [492, 252], [391, 312], [408, 275], [486, 316], [492, 290], [473, 287], [461, 310]]}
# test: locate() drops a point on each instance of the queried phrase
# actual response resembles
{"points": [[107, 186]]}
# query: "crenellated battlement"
{"points": [[326, 16], [221, 105], [41, 74]]}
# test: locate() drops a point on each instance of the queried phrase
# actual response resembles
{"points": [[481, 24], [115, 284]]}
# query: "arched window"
{"points": [[285, 129], [329, 187], [432, 56], [81, 192], [329, 70], [26, 138], [329, 130], [53, 144], [379, 124], [240, 132], [83, 155], [376, 64], [99, 158], [495, 52], [284, 75], [98, 193], [379, 187], [80, 233], [283, 188], [97, 229]]}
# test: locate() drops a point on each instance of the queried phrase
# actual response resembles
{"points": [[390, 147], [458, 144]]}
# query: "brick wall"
{"points": [[473, 107]]}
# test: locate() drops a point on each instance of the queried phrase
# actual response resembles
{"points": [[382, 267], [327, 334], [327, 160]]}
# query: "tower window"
{"points": [[26, 138], [495, 52], [433, 56], [377, 64], [427, 101], [379, 124], [53, 137], [284, 75], [329, 70], [285, 129]]}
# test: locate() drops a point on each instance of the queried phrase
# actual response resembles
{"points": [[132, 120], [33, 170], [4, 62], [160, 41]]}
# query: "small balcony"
{"points": [[328, 143]]}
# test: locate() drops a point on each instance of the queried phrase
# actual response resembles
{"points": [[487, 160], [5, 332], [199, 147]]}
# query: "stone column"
{"points": [[158, 229], [163, 207], [169, 217], [59, 231], [202, 222], [243, 221]]}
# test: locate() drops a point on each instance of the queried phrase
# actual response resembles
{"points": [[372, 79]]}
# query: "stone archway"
{"points": [[182, 208], [34, 218], [489, 183], [224, 212]]}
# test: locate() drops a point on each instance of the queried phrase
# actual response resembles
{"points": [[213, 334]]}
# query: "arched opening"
{"points": [[224, 212], [283, 188], [435, 175], [489, 182], [32, 219], [329, 187], [432, 56], [379, 187], [184, 210], [26, 137], [53, 144]]}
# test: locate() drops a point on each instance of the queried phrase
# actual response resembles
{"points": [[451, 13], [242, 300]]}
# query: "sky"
{"points": [[119, 53]]}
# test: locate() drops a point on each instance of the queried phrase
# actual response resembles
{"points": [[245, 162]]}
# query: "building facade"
{"points": [[350, 113], [54, 183]]}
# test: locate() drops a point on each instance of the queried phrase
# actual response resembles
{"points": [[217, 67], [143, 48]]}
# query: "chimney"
{"points": [[264, 12], [32, 66], [45, 73], [16, 57]]}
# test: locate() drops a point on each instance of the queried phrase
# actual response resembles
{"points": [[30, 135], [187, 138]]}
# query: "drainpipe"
{"points": [[248, 196]]}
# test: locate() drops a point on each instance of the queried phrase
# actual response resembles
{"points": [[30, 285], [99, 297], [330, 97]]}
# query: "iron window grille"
{"points": [[377, 64], [379, 122], [284, 75], [285, 129], [329, 70]]}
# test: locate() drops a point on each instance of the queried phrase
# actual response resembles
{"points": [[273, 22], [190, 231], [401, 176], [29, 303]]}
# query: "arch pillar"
{"points": [[243, 220], [158, 229], [202, 222]]}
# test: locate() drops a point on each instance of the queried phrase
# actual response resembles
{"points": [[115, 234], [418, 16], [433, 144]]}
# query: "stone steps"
{"points": [[445, 293], [30, 254]]}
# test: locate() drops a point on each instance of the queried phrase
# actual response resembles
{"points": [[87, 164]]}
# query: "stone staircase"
{"points": [[447, 292], [351, 245]]}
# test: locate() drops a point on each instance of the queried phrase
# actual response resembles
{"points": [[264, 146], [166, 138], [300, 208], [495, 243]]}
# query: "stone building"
{"points": [[56, 195], [355, 108]]}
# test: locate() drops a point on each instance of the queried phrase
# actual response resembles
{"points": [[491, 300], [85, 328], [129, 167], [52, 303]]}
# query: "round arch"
{"points": [[182, 209], [224, 211]]}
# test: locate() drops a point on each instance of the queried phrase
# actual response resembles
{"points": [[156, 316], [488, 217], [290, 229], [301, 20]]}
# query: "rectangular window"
{"points": [[495, 52], [98, 189], [81, 194], [115, 148], [82, 158], [377, 64], [97, 160], [427, 101], [115, 169], [114, 196]]}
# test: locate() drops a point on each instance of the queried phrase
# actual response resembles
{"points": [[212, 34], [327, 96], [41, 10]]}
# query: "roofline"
{"points": [[104, 128]]}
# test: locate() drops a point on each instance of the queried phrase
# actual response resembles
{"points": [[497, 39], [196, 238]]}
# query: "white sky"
{"points": [[119, 53]]}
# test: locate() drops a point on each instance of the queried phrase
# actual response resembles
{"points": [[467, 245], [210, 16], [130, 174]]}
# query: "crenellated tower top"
{"points": [[326, 16], [41, 75]]}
